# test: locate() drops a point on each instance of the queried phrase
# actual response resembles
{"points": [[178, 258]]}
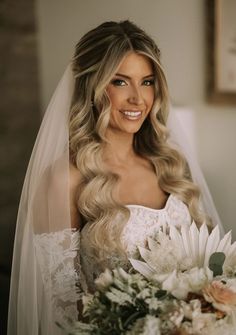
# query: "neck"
{"points": [[119, 148]]}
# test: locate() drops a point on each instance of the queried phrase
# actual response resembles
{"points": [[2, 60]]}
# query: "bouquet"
{"points": [[183, 283]]}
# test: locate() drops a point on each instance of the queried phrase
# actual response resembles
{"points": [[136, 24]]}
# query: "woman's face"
{"points": [[131, 92]]}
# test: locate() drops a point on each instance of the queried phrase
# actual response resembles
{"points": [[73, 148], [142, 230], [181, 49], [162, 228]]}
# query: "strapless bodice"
{"points": [[143, 222]]}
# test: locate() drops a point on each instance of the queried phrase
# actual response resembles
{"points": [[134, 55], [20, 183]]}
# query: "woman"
{"points": [[98, 185]]}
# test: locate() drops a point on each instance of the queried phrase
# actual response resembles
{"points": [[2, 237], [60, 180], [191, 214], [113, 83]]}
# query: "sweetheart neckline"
{"points": [[152, 209]]}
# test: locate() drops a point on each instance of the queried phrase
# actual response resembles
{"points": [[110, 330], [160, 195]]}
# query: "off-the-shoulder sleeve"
{"points": [[63, 283]]}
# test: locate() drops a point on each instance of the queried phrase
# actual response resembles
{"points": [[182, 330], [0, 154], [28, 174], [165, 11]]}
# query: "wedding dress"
{"points": [[52, 265], [143, 222], [76, 266]]}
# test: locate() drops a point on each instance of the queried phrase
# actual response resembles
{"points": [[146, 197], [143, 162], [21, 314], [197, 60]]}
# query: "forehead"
{"points": [[134, 64]]}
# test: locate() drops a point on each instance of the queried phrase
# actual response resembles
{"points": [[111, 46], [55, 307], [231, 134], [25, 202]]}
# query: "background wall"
{"points": [[179, 28], [47, 43], [19, 121]]}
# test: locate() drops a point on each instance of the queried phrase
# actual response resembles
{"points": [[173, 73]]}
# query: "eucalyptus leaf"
{"points": [[133, 317], [216, 263], [161, 294]]}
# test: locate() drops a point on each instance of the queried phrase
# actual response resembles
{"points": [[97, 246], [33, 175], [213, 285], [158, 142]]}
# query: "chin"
{"points": [[131, 130], [128, 127]]}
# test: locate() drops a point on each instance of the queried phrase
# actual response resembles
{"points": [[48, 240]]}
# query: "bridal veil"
{"points": [[47, 281], [45, 268]]}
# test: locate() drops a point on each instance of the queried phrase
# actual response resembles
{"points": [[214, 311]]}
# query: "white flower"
{"points": [[163, 256], [120, 273], [199, 245], [182, 250], [86, 299], [176, 316], [191, 308], [104, 280], [149, 325], [203, 321], [179, 284]]}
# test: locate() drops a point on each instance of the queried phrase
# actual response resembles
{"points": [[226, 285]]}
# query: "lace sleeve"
{"points": [[58, 256]]}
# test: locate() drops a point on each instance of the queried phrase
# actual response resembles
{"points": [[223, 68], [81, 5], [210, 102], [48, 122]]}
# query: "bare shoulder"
{"points": [[75, 178]]}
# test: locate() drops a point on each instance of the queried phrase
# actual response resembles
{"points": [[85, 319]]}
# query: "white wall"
{"points": [[179, 29]]}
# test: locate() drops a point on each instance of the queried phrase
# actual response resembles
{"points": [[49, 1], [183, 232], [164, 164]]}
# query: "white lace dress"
{"points": [[143, 222], [68, 269]]}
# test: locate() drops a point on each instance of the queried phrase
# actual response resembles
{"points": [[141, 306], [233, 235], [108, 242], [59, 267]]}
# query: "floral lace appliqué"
{"points": [[58, 257]]}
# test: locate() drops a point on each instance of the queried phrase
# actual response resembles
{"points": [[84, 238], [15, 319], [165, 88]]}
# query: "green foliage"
{"points": [[216, 263], [114, 311]]}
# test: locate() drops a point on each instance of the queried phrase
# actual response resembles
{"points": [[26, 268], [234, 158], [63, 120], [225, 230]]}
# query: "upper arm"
{"points": [[52, 209], [75, 178]]}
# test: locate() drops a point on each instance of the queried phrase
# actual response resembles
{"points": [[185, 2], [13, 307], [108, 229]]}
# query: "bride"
{"points": [[102, 178]]}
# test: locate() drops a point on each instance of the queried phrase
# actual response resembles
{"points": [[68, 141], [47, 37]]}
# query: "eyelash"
{"points": [[150, 81], [121, 82], [118, 82]]}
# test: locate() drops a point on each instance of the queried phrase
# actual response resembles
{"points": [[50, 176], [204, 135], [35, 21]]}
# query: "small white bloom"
{"points": [[86, 299], [177, 317], [151, 326], [198, 278], [191, 308], [179, 284], [104, 280], [203, 321], [119, 272]]}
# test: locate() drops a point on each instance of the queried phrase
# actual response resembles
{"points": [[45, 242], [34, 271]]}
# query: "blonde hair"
{"points": [[97, 57]]}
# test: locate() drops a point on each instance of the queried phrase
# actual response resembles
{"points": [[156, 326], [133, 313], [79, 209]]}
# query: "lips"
{"points": [[132, 115], [129, 113]]}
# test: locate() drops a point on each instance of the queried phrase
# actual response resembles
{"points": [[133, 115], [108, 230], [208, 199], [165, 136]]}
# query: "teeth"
{"points": [[128, 113]]}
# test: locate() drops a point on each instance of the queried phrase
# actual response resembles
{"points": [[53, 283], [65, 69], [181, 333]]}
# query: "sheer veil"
{"points": [[47, 281], [179, 139], [45, 268]]}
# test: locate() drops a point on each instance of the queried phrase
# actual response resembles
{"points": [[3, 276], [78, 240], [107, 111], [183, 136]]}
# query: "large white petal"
{"points": [[176, 237], [225, 243], [146, 254], [232, 249], [203, 236], [153, 245], [142, 268], [212, 244], [186, 240], [194, 236]]}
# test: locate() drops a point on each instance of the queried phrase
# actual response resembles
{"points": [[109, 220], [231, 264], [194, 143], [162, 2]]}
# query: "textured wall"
{"points": [[19, 119]]}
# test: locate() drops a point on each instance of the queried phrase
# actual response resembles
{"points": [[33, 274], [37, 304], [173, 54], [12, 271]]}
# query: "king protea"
{"points": [[180, 259]]}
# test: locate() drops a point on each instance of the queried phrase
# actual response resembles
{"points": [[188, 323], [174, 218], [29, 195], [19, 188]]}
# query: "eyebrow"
{"points": [[127, 77]]}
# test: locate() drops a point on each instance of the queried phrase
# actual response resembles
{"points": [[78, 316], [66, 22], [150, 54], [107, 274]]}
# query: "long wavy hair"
{"points": [[97, 57]]}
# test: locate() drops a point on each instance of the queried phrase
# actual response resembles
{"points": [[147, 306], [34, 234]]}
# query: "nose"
{"points": [[135, 96]]}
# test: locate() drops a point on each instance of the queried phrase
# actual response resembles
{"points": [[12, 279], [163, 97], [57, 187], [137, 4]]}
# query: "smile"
{"points": [[132, 115]]}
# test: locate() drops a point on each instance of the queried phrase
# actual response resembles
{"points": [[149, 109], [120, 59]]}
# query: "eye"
{"points": [[148, 82], [118, 82]]}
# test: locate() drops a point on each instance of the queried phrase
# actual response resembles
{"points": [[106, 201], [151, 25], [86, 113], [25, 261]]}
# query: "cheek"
{"points": [[116, 96], [112, 96], [150, 98]]}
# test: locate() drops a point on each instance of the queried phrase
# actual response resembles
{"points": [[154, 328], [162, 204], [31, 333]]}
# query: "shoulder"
{"points": [[75, 179], [75, 176]]}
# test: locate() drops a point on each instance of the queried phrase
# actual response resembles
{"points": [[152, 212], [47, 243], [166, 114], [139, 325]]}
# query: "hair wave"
{"points": [[97, 57]]}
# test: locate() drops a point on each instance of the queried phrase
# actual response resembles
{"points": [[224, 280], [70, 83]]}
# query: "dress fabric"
{"points": [[143, 222], [68, 255]]}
